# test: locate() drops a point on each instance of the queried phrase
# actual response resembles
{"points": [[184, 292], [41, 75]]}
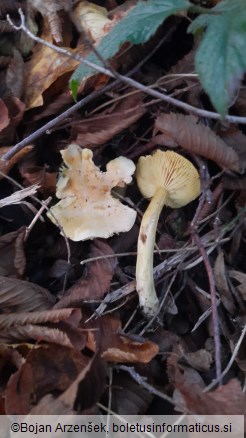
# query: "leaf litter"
{"points": [[71, 307]]}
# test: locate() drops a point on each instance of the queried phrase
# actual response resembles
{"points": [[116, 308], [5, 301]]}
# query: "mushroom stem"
{"points": [[144, 268]]}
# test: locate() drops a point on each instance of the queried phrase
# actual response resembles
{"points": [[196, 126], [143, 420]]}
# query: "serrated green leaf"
{"points": [[221, 57], [136, 27]]}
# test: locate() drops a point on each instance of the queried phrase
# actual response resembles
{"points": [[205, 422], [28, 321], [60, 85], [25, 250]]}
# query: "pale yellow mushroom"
{"points": [[166, 178], [87, 209]]}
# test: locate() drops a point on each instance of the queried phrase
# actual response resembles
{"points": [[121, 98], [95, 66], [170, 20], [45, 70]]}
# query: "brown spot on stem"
{"points": [[143, 237]]}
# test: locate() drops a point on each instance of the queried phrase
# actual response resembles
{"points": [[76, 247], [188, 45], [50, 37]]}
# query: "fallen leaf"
{"points": [[241, 278], [90, 381], [23, 296], [197, 139], [16, 110], [4, 115], [228, 399], [96, 279], [49, 369], [116, 347], [99, 129], [12, 255]]}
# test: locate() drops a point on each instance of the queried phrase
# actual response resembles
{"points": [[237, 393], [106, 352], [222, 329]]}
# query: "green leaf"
{"points": [[221, 57], [136, 27], [74, 85]]}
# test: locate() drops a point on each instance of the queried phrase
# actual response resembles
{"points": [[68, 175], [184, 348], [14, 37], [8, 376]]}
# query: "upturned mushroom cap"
{"points": [[87, 208], [172, 172]]}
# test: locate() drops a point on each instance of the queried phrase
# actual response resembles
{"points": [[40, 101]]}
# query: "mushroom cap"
{"points": [[172, 172], [87, 209]]}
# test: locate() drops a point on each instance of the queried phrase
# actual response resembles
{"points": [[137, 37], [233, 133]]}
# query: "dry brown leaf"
{"points": [[96, 279], [220, 275], [241, 278], [230, 183], [22, 296], [6, 166], [50, 9], [128, 397], [33, 174], [44, 68], [15, 74], [4, 115], [28, 332], [234, 138], [115, 347], [99, 129], [16, 110], [228, 399], [90, 381], [38, 317], [49, 369], [12, 255], [198, 139]]}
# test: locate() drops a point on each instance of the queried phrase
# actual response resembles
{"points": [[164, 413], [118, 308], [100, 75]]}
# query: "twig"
{"points": [[36, 217], [210, 274], [142, 382]]}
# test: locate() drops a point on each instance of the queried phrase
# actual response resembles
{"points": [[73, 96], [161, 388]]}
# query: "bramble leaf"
{"points": [[136, 27], [220, 59]]}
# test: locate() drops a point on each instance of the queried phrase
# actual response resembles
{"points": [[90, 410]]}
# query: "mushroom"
{"points": [[87, 209], [166, 178]]}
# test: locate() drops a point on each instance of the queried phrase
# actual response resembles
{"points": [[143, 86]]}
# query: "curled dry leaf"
{"points": [[12, 255], [198, 139], [87, 208], [96, 279], [22, 296], [116, 347], [6, 166], [99, 129]]}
